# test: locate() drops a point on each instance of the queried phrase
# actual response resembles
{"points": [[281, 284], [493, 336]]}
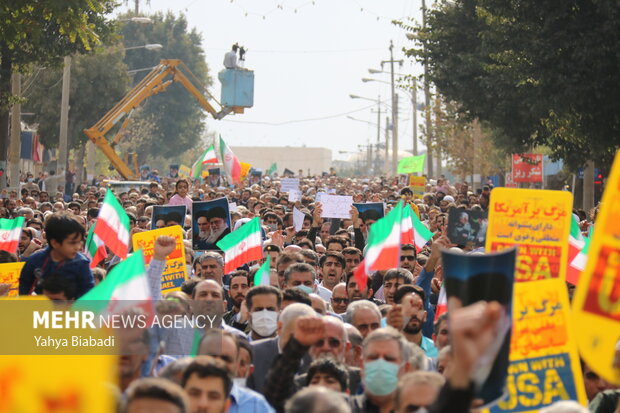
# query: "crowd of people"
{"points": [[314, 340]]}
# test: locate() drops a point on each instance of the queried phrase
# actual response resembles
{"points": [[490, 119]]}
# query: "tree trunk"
{"points": [[6, 67], [80, 177]]}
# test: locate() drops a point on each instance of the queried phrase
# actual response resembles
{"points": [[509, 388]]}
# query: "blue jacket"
{"points": [[40, 265], [424, 281]]}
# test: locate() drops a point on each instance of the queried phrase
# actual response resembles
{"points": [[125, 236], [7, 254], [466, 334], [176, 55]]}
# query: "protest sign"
{"points": [[175, 272], [165, 215], [245, 169], [467, 228], [538, 221], [411, 165], [417, 184], [370, 210], [596, 303], [294, 195], [335, 206], [58, 383], [298, 219], [288, 184], [184, 171], [210, 223], [232, 207], [9, 274], [473, 278], [544, 362], [527, 167]]}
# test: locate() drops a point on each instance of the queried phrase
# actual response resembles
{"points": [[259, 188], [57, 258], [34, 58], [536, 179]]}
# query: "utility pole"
{"points": [[16, 130], [394, 108], [588, 186], [137, 7], [414, 103], [427, 103], [64, 117], [387, 142]]}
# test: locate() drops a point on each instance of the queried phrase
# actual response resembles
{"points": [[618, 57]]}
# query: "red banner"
{"points": [[527, 167]]}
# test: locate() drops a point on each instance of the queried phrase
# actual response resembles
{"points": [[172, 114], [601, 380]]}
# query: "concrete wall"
{"points": [[318, 160]]}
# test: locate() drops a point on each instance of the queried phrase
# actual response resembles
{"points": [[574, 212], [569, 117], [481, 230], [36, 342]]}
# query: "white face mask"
{"points": [[189, 270], [240, 381], [264, 322]]}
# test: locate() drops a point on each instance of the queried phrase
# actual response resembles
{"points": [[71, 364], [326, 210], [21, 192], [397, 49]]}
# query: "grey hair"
{"points": [[418, 377], [389, 333], [293, 311], [317, 400], [213, 256], [417, 359], [298, 267], [355, 337], [355, 306], [565, 406], [175, 369], [338, 320]]}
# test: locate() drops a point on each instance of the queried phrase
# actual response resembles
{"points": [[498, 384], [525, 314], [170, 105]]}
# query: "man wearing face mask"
{"points": [[385, 356], [271, 221], [263, 303], [225, 346], [300, 276]]}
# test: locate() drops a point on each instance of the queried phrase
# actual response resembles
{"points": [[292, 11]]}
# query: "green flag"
{"points": [[411, 164], [262, 275], [272, 168]]}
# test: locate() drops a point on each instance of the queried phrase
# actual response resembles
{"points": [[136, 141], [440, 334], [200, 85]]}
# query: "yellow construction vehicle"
{"points": [[237, 94]]}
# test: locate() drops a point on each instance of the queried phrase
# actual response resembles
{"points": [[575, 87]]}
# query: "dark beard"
{"points": [[409, 329]]}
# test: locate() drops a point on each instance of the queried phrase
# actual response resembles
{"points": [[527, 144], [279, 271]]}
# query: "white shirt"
{"points": [[230, 60], [324, 293]]}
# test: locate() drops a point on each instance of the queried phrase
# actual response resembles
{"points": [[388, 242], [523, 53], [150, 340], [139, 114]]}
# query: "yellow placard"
{"points": [[185, 171], [245, 169], [418, 186], [67, 384], [9, 274], [538, 221], [175, 272], [596, 304], [544, 362]]}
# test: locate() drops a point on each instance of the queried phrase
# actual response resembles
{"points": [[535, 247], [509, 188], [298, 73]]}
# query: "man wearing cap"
{"points": [[174, 171]]}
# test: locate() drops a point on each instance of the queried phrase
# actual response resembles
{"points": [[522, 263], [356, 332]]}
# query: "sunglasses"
{"points": [[407, 257], [340, 300], [332, 342]]}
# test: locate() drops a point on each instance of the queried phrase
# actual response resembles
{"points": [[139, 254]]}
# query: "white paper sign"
{"points": [[335, 206], [288, 184], [298, 219], [294, 195], [232, 206]]}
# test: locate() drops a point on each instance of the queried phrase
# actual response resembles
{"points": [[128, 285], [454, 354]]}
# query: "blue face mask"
{"points": [[304, 288], [380, 377]]}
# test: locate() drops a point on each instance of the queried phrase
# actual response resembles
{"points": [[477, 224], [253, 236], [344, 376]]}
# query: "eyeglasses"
{"points": [[407, 257], [332, 342], [340, 300]]}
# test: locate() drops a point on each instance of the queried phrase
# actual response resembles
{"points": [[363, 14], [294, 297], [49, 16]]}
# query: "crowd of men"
{"points": [[314, 340]]}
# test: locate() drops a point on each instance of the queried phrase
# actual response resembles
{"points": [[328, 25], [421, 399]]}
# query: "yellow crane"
{"points": [[237, 94]]}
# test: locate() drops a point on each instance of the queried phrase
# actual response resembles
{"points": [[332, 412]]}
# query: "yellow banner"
{"points": [[544, 362], [245, 169], [175, 272], [418, 186], [596, 304], [9, 274], [538, 221], [184, 171], [67, 384]]}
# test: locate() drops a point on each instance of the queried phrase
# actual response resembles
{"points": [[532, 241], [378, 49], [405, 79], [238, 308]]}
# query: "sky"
{"points": [[308, 57]]}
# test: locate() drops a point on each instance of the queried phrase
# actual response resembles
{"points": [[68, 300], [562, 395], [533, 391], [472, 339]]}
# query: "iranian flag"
{"points": [[242, 246], [112, 226], [230, 161], [262, 275], [95, 248], [421, 234], [442, 302], [126, 286], [406, 226], [10, 231], [383, 248], [209, 156], [576, 244]]}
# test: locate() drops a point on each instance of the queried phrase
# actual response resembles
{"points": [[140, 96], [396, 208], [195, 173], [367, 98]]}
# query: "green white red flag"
{"points": [[209, 155], [126, 286], [232, 166], [383, 247], [242, 246], [112, 226], [576, 244], [406, 226], [262, 276], [94, 248], [421, 234], [10, 232]]}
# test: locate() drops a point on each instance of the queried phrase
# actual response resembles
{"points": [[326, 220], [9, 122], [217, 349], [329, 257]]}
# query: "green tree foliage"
{"points": [[42, 32], [98, 81], [540, 73], [178, 116]]}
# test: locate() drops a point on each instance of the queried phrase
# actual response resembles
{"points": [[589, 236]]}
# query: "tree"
{"points": [[98, 81], [179, 118], [540, 73], [43, 32]]}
